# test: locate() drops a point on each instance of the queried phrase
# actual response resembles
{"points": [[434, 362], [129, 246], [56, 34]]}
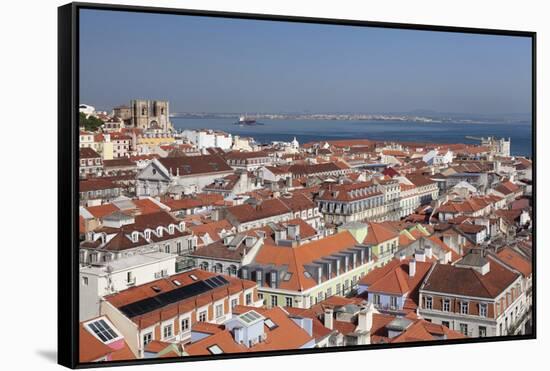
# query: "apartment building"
{"points": [[300, 275], [167, 309], [123, 235], [478, 296]]}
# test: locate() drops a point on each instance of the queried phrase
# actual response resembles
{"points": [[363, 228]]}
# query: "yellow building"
{"points": [[301, 275]]}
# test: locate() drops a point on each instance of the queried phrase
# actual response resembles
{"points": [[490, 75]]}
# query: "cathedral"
{"points": [[151, 115]]}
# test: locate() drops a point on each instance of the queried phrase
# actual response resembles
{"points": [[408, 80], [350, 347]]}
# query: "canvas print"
{"points": [[251, 186]]}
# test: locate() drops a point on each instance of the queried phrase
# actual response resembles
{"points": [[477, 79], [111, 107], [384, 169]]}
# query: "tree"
{"points": [[90, 123]]}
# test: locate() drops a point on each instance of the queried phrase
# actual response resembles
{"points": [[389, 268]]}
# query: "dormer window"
{"points": [[159, 231], [171, 229], [147, 234], [182, 226], [135, 236]]}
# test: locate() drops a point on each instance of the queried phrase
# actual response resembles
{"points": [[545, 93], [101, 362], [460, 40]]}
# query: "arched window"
{"points": [[218, 268], [204, 266]]}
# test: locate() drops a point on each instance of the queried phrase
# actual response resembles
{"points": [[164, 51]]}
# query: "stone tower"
{"points": [[152, 115], [140, 113]]}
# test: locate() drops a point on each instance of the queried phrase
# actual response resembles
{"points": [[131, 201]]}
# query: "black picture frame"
{"points": [[68, 100]]}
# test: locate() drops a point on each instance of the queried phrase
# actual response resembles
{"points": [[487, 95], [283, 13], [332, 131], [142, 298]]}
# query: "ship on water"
{"points": [[247, 121]]}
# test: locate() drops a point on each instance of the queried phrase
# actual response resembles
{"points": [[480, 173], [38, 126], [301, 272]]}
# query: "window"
{"points": [[85, 281], [219, 310], [393, 301], [464, 329], [248, 298], [376, 299], [319, 296], [214, 349], [167, 331], [338, 289], [185, 324], [482, 331], [464, 307], [428, 302], [483, 310], [446, 324], [202, 316], [274, 300], [167, 248], [329, 292], [289, 301], [147, 338], [446, 305]]}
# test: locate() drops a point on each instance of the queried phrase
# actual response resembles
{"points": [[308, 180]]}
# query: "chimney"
{"points": [[420, 255], [328, 320], [280, 235], [412, 268], [428, 251], [401, 256], [365, 317], [293, 232]]}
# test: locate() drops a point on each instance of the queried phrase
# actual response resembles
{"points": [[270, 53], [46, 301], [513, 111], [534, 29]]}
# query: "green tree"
{"points": [[91, 123]]}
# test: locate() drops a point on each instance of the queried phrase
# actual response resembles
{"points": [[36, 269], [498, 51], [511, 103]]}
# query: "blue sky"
{"points": [[206, 64]]}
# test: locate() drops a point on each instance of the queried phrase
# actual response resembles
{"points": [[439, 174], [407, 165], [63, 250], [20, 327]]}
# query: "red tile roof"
{"points": [[296, 257], [379, 233], [516, 261], [468, 282]]}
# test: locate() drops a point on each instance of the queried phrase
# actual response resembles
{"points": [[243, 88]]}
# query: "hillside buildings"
{"points": [[205, 243]]}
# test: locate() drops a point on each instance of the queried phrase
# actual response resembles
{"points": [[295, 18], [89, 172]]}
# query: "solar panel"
{"points": [[181, 293], [102, 330]]}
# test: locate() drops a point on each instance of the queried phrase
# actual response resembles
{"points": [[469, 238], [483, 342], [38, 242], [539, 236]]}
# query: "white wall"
{"points": [[40, 39]]}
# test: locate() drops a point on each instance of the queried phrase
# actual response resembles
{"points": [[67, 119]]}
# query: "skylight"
{"points": [[102, 330], [176, 282], [193, 277], [270, 324], [214, 349], [250, 317]]}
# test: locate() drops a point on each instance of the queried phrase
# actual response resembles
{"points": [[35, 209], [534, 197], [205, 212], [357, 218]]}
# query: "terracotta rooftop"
{"points": [[195, 165], [285, 335], [468, 282], [295, 258]]}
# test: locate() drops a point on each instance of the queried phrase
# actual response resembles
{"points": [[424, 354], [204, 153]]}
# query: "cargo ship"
{"points": [[247, 121]]}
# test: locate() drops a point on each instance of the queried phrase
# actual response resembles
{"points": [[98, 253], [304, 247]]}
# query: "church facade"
{"points": [[150, 115]]}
